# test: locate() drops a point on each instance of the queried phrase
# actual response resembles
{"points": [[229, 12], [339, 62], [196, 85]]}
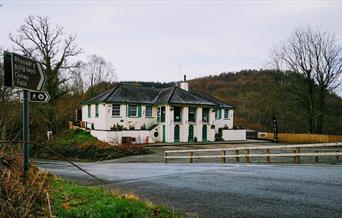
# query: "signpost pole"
{"points": [[26, 134]]}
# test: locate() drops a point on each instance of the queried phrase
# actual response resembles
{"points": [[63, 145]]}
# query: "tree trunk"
{"points": [[321, 106]]}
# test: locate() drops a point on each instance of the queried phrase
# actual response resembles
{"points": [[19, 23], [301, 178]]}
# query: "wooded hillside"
{"points": [[261, 94]]}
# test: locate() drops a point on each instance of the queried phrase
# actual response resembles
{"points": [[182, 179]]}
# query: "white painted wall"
{"points": [[99, 122], [115, 137], [220, 123], [105, 121], [234, 134]]}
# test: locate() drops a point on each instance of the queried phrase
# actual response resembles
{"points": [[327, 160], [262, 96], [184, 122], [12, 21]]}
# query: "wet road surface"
{"points": [[222, 190]]}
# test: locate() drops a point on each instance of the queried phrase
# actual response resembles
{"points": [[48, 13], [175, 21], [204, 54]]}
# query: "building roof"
{"points": [[212, 99], [126, 93]]}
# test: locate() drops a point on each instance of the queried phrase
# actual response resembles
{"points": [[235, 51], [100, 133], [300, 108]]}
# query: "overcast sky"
{"points": [[162, 40]]}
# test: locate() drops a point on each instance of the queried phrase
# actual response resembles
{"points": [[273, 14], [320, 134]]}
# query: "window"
{"points": [[132, 110], [226, 114], [177, 114], [192, 114], [97, 110], [218, 114], [162, 118], [148, 111], [158, 114], [115, 110], [89, 110], [205, 115]]}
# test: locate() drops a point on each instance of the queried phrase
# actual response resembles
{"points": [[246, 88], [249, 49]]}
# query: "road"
{"points": [[222, 190]]}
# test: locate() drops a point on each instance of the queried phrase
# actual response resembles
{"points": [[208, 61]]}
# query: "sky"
{"points": [[163, 40]]}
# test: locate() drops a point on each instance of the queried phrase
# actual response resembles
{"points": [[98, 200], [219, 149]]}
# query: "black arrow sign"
{"points": [[23, 72]]}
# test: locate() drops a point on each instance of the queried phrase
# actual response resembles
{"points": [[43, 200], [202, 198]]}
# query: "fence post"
{"points": [[294, 157], [268, 158], [298, 156], [165, 157], [316, 158], [337, 157], [237, 152], [247, 155], [223, 158], [191, 154]]}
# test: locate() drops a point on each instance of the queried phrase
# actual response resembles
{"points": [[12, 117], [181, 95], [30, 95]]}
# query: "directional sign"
{"points": [[22, 72], [39, 96]]}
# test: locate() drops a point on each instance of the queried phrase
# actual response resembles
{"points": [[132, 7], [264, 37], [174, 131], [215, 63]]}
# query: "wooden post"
{"points": [[246, 155], [268, 158], [191, 154], [165, 157], [316, 158], [223, 158], [237, 152], [294, 157], [337, 157], [298, 157]]}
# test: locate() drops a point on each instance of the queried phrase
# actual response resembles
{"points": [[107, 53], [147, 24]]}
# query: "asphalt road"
{"points": [[222, 190]]}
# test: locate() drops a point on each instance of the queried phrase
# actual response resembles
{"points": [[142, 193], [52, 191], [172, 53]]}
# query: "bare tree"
{"points": [[97, 70], [39, 39], [314, 56]]}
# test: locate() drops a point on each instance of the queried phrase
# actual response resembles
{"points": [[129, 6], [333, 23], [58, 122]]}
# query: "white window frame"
{"points": [[149, 112]]}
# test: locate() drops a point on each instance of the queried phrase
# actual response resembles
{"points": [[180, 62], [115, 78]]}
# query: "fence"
{"points": [[302, 138], [295, 152]]}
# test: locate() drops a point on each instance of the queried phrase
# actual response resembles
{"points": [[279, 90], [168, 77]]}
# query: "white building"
{"points": [[149, 115]]}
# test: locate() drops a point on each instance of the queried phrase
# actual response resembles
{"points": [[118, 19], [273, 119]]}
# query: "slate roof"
{"points": [[212, 99], [127, 93]]}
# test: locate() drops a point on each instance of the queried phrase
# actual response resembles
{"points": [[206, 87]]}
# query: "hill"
{"points": [[261, 94]]}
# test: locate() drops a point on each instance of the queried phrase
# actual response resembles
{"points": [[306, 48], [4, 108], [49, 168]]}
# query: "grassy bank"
{"points": [[73, 200], [80, 145]]}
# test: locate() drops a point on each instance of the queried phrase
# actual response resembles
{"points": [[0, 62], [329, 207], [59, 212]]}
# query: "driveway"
{"points": [[222, 190]]}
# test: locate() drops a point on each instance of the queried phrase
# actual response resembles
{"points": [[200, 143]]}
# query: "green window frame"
{"points": [[192, 114], [205, 115], [97, 111], [133, 110], [89, 111], [226, 114]]}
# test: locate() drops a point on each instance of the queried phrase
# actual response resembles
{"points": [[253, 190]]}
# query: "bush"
{"points": [[79, 144]]}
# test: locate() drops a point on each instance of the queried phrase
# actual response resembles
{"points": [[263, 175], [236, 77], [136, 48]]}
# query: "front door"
{"points": [[176, 138], [191, 133], [204, 133], [163, 133]]}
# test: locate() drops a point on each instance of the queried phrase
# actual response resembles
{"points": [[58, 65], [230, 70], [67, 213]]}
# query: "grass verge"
{"points": [[73, 200]]}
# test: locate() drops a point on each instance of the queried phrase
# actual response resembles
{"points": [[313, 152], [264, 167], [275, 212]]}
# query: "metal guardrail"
{"points": [[296, 152]]}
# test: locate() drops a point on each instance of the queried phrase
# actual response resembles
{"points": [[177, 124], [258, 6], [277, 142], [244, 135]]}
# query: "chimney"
{"points": [[184, 84]]}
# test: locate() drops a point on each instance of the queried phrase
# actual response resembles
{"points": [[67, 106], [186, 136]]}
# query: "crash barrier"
{"points": [[248, 152]]}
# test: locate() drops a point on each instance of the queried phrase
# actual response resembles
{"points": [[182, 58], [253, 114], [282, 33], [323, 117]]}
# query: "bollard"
{"points": [[191, 154]]}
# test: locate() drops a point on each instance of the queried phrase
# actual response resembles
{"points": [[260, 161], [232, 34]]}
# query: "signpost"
{"points": [[39, 97], [23, 73], [27, 74], [275, 129]]}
